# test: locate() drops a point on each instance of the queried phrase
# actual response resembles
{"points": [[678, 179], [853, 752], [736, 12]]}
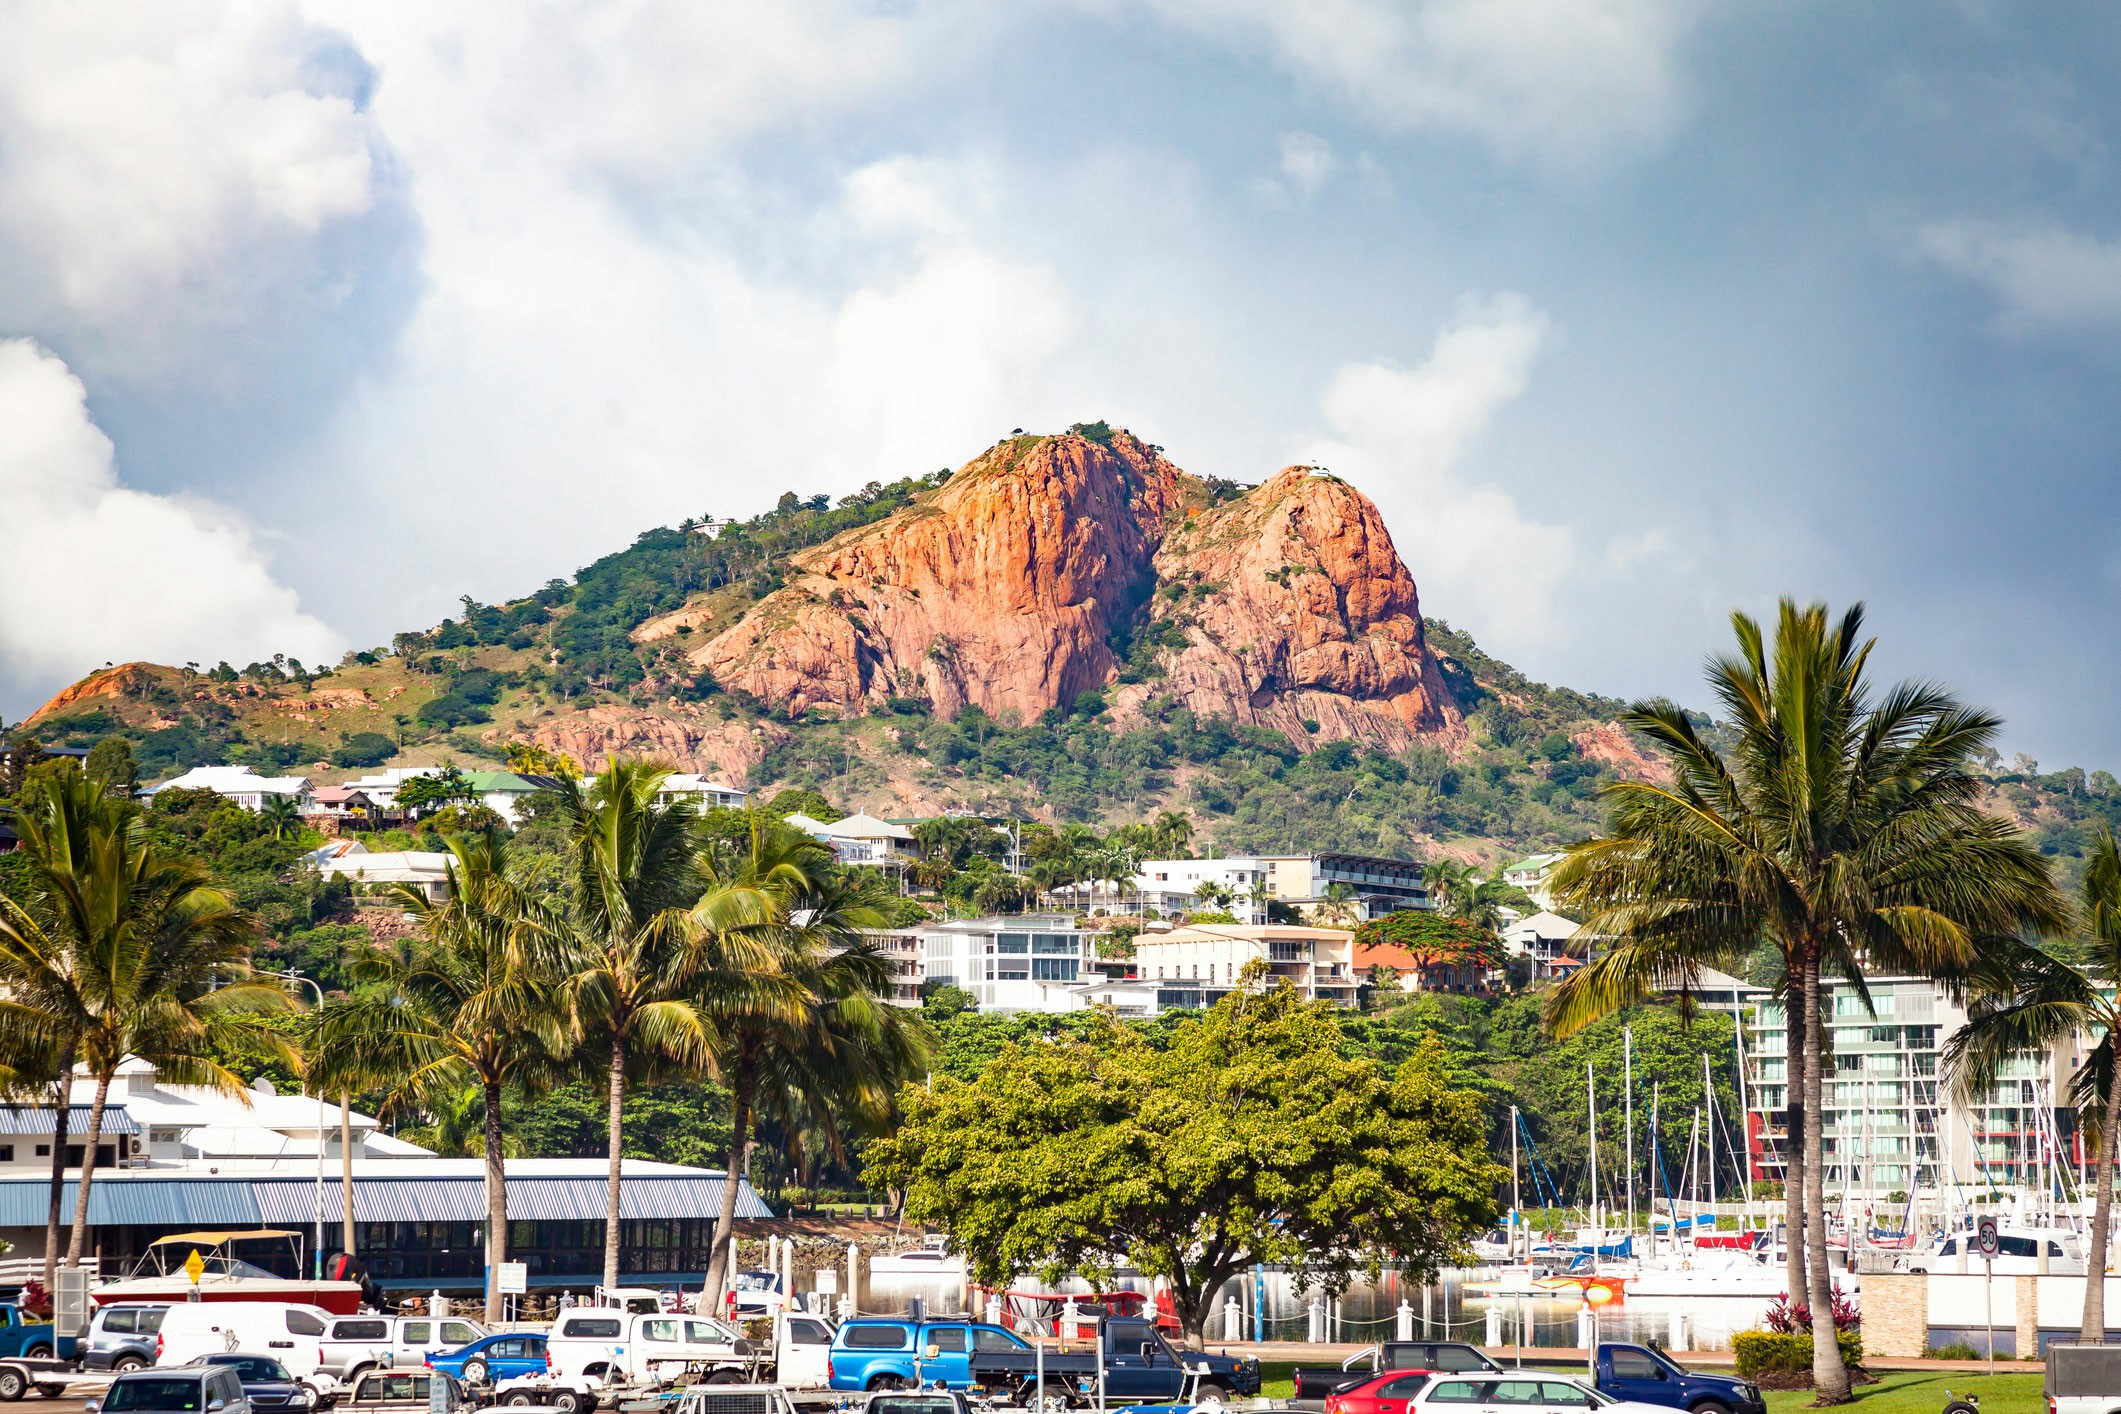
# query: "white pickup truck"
{"points": [[2083, 1379]]}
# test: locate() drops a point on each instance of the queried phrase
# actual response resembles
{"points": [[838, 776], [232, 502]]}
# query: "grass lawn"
{"points": [[1922, 1392]]}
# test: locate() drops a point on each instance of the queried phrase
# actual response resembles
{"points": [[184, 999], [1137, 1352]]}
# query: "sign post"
{"points": [[194, 1267], [1988, 1242]]}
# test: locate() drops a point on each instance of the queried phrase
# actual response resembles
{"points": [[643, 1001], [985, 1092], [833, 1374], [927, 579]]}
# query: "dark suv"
{"points": [[193, 1389]]}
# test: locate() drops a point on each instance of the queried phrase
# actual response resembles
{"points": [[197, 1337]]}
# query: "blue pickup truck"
{"points": [[1136, 1362], [1646, 1375], [24, 1339]]}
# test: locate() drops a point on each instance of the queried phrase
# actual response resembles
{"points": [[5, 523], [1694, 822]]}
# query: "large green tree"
{"points": [[1842, 828], [1250, 1137], [2026, 998]]}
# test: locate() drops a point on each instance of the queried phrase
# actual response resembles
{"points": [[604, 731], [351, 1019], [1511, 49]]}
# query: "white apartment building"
{"points": [[901, 949], [1008, 964], [1890, 1123], [1375, 886], [703, 791], [1533, 874], [1197, 965], [239, 784]]}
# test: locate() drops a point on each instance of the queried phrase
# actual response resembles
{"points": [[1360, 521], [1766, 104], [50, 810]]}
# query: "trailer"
{"points": [[47, 1377]]}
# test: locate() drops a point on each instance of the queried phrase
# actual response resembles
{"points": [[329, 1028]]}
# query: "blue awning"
{"points": [[34, 1119]]}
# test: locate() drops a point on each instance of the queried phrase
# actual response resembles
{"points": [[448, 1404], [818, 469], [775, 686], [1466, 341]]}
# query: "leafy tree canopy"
{"points": [[1435, 940]]}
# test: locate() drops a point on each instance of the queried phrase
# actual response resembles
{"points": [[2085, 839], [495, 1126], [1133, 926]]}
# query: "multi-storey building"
{"points": [[1196, 966], [1008, 964], [1374, 886], [1890, 1122]]}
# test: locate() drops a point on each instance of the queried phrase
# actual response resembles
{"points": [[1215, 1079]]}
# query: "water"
{"points": [[1368, 1310]]}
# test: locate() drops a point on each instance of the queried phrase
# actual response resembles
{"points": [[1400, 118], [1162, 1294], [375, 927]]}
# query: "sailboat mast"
{"points": [[1516, 1204], [1708, 1102], [1627, 1087], [1590, 1090]]}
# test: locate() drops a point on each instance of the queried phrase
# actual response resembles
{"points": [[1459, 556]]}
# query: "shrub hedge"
{"points": [[1785, 1361]]}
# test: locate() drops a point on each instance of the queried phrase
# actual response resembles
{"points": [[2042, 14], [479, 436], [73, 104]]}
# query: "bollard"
{"points": [[1315, 1328], [1426, 1293], [1233, 1321], [1586, 1329], [1677, 1338], [1494, 1325], [854, 1259], [994, 1308], [1405, 1329], [437, 1304]]}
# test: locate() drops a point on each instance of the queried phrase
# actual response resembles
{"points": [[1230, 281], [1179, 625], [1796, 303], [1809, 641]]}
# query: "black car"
{"points": [[266, 1383]]}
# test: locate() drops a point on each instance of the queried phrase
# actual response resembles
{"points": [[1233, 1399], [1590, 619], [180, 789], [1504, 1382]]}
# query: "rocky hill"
{"points": [[1068, 627]]}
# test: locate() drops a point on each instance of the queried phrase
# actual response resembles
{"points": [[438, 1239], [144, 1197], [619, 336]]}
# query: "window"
{"points": [[1453, 1358], [1516, 1392], [176, 1392], [708, 1333], [44, 1151], [1403, 1387], [121, 1320], [659, 1330], [1563, 1393], [873, 1337], [416, 1332], [2020, 1247], [592, 1328], [1458, 1392], [7, 1153], [985, 1339], [802, 1332], [302, 1323], [360, 1330], [1634, 1365], [151, 1319], [948, 1342]]}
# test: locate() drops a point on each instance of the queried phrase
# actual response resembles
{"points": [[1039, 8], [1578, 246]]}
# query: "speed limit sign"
{"points": [[1986, 1240]]}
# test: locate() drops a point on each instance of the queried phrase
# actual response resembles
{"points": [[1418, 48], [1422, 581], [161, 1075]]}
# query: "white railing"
{"points": [[14, 1271]]}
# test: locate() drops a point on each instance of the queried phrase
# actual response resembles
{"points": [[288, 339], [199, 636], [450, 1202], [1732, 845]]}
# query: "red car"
{"points": [[1379, 1394]]}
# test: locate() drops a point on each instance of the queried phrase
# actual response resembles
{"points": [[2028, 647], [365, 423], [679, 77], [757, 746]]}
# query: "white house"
{"points": [[1006, 963], [703, 791], [382, 788], [1197, 964], [1174, 885], [426, 870], [239, 784], [1532, 874]]}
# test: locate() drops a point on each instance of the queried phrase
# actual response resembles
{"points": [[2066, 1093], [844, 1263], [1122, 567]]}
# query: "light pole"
{"points": [[316, 1238]]}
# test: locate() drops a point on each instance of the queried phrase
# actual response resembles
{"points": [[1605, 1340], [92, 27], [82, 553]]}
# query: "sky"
{"points": [[317, 316]]}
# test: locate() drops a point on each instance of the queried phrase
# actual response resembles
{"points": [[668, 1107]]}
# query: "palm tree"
{"points": [[1338, 905], [121, 950], [1843, 830], [643, 930], [2025, 998], [1446, 879], [282, 815], [1172, 831], [464, 1009], [834, 1059]]}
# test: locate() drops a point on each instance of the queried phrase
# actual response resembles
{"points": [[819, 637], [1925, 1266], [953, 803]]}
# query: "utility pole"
{"points": [[1627, 1044]]}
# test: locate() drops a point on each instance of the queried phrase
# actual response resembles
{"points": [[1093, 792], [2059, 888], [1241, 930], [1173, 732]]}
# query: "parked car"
{"points": [[22, 1338], [803, 1357], [396, 1391], [603, 1342], [1388, 1393], [1450, 1356], [121, 1336], [1135, 1360], [265, 1381], [416, 1337], [506, 1356], [197, 1390], [353, 1344], [291, 1334], [1642, 1375], [1514, 1391]]}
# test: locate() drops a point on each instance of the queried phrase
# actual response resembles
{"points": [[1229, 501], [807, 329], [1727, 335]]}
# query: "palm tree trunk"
{"points": [[346, 1221], [88, 1170], [718, 1274], [1830, 1378], [58, 1194], [2102, 1215], [611, 1196], [497, 1204], [1794, 1166]]}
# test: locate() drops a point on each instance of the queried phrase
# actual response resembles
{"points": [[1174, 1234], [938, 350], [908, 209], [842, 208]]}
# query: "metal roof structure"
{"points": [[37, 1119], [120, 1198]]}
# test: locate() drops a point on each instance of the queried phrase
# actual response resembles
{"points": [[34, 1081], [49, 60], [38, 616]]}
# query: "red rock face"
{"points": [[125, 680], [1006, 589], [683, 738], [1001, 592], [1296, 609]]}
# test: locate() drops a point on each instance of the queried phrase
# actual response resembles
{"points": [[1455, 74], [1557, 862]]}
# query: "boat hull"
{"points": [[339, 1297]]}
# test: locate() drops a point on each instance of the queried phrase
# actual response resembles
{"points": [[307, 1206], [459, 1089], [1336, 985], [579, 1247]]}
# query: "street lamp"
{"points": [[316, 1238]]}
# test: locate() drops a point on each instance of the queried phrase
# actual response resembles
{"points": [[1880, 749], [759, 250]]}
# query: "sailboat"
{"points": [[161, 1274]]}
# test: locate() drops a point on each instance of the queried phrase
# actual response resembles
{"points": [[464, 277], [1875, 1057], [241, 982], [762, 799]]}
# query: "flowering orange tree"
{"points": [[1434, 940]]}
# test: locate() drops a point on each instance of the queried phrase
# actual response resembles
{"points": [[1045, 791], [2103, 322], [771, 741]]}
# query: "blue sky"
{"points": [[1627, 312]]}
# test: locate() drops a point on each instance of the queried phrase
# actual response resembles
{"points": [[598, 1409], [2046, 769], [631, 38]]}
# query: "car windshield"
{"points": [[255, 1369], [181, 1396]]}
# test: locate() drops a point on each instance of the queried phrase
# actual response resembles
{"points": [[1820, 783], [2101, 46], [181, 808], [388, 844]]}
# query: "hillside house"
{"points": [[703, 792], [239, 784], [1199, 964]]}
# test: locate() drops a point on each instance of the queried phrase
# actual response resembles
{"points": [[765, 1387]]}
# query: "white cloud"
{"points": [[96, 572], [1401, 435], [1552, 81], [157, 156], [2043, 277], [1307, 161]]}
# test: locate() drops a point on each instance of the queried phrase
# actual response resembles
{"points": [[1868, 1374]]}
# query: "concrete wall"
{"points": [[1896, 1318]]}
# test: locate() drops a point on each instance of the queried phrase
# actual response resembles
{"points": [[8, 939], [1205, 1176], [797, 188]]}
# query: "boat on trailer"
{"points": [[161, 1275]]}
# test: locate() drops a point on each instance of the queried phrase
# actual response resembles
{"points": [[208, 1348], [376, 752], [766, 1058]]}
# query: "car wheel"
{"points": [[567, 1401], [475, 1374], [12, 1385], [877, 1382], [51, 1391], [725, 1377], [1209, 1392], [126, 1364], [521, 1399], [1711, 1406]]}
